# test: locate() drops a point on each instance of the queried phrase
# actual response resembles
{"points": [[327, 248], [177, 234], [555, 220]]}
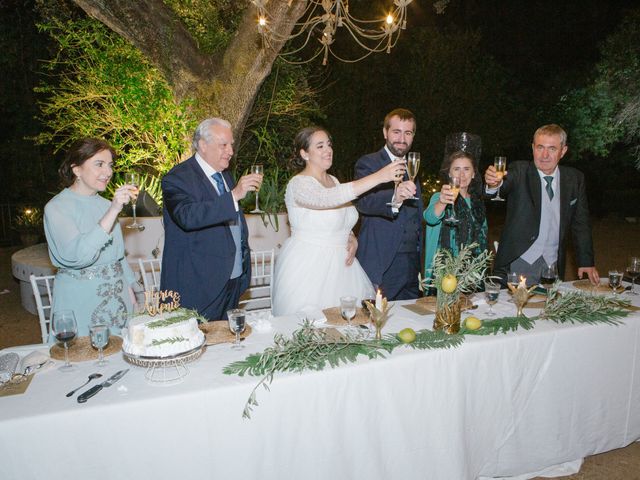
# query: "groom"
{"points": [[390, 237], [206, 253]]}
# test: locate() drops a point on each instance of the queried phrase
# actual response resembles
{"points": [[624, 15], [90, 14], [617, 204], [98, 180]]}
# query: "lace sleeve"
{"points": [[309, 193]]}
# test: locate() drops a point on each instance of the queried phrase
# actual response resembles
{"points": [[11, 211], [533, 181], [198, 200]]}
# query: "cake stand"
{"points": [[166, 370]]}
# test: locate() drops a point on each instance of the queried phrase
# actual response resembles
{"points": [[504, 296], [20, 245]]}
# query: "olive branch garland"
{"points": [[310, 348]]}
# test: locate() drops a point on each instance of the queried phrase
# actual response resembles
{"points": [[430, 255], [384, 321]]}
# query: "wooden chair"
{"points": [[43, 292]]}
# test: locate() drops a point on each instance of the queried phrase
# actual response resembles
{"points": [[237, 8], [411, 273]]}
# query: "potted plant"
{"points": [[29, 225]]}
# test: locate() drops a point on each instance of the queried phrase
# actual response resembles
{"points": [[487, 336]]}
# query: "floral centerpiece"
{"points": [[453, 276]]}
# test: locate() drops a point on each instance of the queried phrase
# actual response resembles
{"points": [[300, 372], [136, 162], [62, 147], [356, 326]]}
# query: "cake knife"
{"points": [[83, 397]]}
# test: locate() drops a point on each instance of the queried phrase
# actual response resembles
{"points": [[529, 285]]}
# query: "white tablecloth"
{"points": [[504, 405]]}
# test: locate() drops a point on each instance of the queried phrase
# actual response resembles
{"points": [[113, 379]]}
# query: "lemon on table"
{"points": [[472, 323], [449, 283], [407, 335]]}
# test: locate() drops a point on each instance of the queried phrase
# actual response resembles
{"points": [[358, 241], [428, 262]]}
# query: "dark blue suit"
{"points": [[199, 250], [382, 233]]}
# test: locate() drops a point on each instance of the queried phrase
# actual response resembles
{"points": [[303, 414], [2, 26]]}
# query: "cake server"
{"points": [[83, 397]]}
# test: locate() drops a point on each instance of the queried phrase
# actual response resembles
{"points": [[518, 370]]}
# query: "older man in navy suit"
{"points": [[206, 253], [390, 238]]}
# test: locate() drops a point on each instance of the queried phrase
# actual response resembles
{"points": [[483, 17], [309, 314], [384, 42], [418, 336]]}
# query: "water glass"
{"points": [[237, 321], [615, 278], [348, 309], [492, 292], [99, 334]]}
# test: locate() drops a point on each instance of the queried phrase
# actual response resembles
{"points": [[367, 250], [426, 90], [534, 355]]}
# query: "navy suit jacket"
{"points": [[381, 231], [523, 190], [199, 250]]}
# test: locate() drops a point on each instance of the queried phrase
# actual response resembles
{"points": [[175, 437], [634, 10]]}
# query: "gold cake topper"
{"points": [[155, 302]]}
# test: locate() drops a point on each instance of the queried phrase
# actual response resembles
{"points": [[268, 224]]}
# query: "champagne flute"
{"points": [[413, 165], [237, 322], [454, 183], [615, 278], [260, 171], [65, 329], [348, 309], [133, 179], [548, 276], [633, 270], [492, 292], [500, 164], [99, 334], [396, 182]]}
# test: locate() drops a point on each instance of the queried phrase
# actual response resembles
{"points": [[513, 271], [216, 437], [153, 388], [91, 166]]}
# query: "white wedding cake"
{"points": [[163, 335]]}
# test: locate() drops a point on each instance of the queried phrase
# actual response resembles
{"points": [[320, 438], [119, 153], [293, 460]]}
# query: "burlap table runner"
{"points": [[218, 332], [80, 350], [334, 317]]}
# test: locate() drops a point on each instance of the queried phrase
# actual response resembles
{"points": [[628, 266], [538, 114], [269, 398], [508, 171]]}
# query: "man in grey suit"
{"points": [[545, 201]]}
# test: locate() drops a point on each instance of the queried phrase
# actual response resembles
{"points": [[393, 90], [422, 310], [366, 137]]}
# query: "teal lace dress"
{"points": [[93, 276]]}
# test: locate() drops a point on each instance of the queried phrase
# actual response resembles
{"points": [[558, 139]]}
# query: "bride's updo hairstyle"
{"points": [[303, 142]]}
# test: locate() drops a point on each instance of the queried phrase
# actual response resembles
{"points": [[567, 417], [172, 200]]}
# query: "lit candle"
{"points": [[379, 300], [523, 282]]}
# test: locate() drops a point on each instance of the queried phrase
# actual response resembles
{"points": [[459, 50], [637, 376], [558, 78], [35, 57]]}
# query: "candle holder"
{"points": [[379, 317], [521, 295]]}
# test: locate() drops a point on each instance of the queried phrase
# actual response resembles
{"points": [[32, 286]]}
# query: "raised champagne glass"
{"points": [[413, 165], [259, 169], [65, 329], [615, 278], [500, 164], [633, 270], [396, 182], [454, 183], [133, 179]]}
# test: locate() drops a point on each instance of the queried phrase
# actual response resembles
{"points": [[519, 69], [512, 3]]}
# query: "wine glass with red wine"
{"points": [[548, 276], [65, 329], [633, 270]]}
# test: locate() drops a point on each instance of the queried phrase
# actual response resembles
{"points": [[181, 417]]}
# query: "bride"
{"points": [[316, 265]]}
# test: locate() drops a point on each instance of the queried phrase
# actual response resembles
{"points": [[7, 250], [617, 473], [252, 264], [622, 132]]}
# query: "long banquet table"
{"points": [[505, 405]]}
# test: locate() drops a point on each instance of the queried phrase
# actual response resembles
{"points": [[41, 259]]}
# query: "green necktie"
{"points": [[548, 188]]}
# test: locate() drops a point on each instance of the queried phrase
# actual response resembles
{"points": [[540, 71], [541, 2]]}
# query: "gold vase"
{"points": [[448, 318]]}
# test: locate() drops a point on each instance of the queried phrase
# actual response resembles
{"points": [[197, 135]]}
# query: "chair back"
{"points": [[257, 298], [150, 272], [43, 292]]}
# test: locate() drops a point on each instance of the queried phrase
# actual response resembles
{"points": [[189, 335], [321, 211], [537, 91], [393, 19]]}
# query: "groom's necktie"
{"points": [[217, 177], [549, 188]]}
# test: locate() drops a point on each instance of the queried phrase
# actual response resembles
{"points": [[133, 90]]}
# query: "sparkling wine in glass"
{"points": [[99, 334], [65, 329], [237, 322], [454, 183], [396, 182], [615, 278], [413, 165], [492, 292], [633, 270], [260, 171], [500, 164], [133, 179], [548, 276], [348, 309]]}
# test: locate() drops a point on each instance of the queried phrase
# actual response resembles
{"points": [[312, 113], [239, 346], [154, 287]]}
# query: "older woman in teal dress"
{"points": [[468, 205], [85, 241]]}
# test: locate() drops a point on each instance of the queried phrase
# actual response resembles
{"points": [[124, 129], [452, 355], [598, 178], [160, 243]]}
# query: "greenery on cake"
{"points": [[168, 340], [177, 316]]}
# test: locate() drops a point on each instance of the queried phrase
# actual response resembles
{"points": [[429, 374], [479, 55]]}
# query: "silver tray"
{"points": [[172, 360]]}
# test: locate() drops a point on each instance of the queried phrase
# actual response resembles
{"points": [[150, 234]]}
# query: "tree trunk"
{"points": [[223, 85]]}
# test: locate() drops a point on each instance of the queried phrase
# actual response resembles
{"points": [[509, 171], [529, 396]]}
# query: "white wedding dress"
{"points": [[310, 271]]}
